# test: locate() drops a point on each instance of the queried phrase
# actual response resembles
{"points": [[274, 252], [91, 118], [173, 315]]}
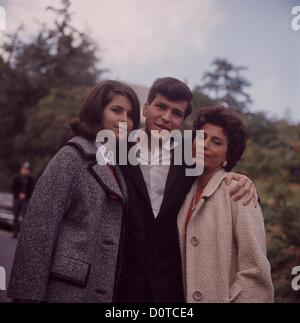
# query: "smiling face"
{"points": [[118, 110], [163, 114], [215, 146]]}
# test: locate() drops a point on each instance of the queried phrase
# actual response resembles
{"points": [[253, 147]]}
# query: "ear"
{"points": [[145, 109]]}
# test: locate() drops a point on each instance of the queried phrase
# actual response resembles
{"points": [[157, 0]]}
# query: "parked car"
{"points": [[6, 211], [6, 219]]}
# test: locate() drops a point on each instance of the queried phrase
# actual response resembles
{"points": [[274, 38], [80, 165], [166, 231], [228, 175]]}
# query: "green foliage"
{"points": [[47, 128], [200, 100], [42, 84], [272, 159], [226, 85], [262, 130]]}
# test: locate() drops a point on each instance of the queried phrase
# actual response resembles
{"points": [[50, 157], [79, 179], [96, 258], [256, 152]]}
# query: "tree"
{"points": [[199, 101], [226, 85], [47, 128], [262, 130], [57, 57]]}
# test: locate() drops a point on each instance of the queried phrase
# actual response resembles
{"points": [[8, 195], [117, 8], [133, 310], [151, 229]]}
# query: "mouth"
{"points": [[121, 126], [121, 130], [162, 127]]}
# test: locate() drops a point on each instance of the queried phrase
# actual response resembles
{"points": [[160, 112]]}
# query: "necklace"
{"points": [[194, 204]]}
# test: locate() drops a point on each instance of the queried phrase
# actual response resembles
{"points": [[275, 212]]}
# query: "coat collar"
{"points": [[87, 147], [106, 179], [214, 183], [102, 173], [208, 191]]}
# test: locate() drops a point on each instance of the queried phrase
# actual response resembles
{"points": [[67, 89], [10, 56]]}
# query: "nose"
{"points": [[166, 116], [124, 117], [206, 144]]}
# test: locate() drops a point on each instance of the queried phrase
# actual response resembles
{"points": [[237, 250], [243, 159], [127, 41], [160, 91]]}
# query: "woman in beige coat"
{"points": [[222, 242]]}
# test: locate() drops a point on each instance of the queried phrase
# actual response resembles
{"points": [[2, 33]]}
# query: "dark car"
{"points": [[6, 219], [6, 211]]}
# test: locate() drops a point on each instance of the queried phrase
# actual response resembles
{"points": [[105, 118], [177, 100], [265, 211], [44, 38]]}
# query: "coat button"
{"points": [[197, 296], [194, 241]]}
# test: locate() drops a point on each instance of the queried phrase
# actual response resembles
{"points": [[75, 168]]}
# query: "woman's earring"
{"points": [[224, 164]]}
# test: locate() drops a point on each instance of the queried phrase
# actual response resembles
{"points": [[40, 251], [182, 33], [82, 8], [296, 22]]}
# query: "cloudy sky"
{"points": [[145, 39]]}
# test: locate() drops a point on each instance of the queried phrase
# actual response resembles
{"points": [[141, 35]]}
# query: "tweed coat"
{"points": [[68, 249], [224, 248]]}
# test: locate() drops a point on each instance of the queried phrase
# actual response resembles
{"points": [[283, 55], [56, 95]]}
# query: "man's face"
{"points": [[24, 171], [163, 114]]}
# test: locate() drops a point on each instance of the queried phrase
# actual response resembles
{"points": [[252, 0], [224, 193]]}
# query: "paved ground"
{"points": [[7, 251]]}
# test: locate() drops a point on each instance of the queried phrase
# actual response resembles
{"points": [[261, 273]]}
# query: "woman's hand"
{"points": [[243, 188]]}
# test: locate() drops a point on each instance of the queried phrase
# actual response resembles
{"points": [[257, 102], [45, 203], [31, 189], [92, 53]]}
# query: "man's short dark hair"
{"points": [[172, 89], [233, 128]]}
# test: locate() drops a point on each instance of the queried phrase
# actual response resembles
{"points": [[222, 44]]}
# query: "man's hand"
{"points": [[243, 188]]}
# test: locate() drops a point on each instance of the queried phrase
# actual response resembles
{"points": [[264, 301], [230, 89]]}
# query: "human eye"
{"points": [[178, 114], [116, 109], [160, 106], [217, 142]]}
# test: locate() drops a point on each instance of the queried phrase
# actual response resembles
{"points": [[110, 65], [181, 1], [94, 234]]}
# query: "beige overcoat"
{"points": [[224, 248]]}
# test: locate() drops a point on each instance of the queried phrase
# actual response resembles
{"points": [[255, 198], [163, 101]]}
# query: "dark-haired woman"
{"points": [[69, 246], [223, 245]]}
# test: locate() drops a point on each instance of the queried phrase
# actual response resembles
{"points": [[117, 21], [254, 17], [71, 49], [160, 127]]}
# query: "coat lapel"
{"points": [[175, 170], [105, 177], [181, 220], [172, 175], [122, 182], [102, 173], [134, 174], [209, 190]]}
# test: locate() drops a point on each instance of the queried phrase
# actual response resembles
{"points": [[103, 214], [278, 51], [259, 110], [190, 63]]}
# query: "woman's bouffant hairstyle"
{"points": [[233, 128], [88, 123]]}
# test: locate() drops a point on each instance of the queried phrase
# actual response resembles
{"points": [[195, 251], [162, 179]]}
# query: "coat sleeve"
{"points": [[15, 187], [30, 187], [253, 282], [50, 201]]}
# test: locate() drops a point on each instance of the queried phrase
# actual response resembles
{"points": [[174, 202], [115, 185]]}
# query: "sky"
{"points": [[141, 40]]}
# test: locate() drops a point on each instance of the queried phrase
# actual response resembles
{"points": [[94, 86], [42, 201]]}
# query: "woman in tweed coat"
{"points": [[223, 245], [70, 249]]}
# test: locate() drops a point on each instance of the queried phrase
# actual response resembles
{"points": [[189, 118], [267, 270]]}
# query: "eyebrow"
{"points": [[167, 106], [162, 103], [214, 137], [179, 111]]}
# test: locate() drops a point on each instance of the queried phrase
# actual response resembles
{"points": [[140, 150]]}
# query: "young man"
{"points": [[151, 268]]}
